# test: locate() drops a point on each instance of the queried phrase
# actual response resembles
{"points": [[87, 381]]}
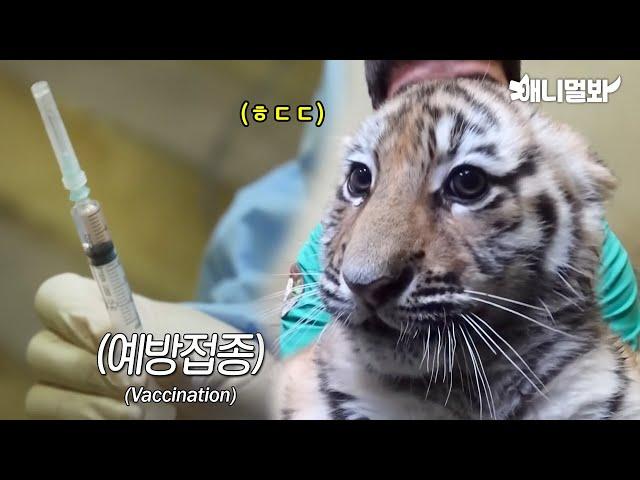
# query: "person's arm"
{"points": [[238, 259]]}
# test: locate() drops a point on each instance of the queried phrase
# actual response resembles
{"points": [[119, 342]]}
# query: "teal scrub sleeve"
{"points": [[617, 294], [304, 318], [618, 291]]}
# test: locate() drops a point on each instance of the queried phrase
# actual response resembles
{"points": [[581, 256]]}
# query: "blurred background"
{"points": [[164, 152]]}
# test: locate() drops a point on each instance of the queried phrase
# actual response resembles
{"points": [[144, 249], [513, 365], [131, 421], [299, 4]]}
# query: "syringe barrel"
{"points": [[105, 265], [117, 296]]}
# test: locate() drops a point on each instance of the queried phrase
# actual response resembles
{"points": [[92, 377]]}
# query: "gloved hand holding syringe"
{"points": [[89, 219]]}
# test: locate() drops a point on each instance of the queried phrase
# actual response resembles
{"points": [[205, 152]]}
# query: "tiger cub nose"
{"points": [[382, 290]]}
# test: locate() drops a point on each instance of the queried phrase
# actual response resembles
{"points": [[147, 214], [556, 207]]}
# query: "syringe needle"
{"points": [[73, 177]]}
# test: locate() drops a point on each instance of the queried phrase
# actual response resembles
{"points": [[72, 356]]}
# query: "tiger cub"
{"points": [[459, 261]]}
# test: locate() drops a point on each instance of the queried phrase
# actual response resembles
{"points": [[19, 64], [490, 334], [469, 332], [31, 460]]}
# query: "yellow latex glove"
{"points": [[64, 360]]}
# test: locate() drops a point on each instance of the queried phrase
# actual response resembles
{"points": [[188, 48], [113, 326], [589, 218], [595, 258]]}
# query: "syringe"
{"points": [[89, 219]]}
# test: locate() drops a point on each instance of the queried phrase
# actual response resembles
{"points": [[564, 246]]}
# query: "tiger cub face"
{"points": [[453, 196]]}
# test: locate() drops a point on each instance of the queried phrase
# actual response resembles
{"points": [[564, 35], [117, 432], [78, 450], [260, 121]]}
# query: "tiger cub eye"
{"points": [[467, 183], [359, 181]]}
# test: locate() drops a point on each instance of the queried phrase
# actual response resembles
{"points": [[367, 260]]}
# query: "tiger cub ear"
{"points": [[594, 179], [601, 179]]}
